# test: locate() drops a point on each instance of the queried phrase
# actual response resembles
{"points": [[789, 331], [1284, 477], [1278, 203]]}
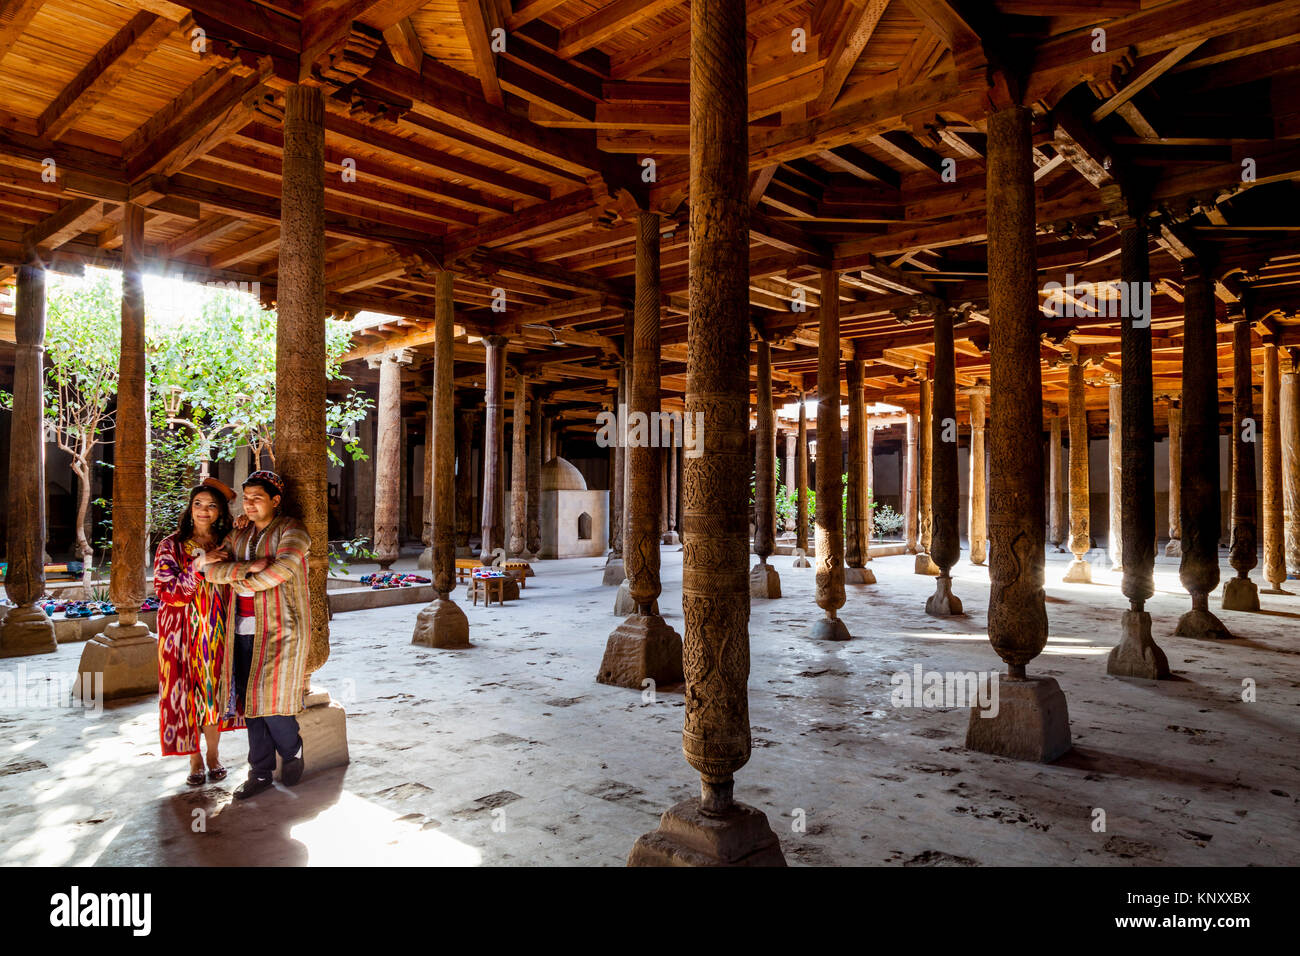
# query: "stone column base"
{"points": [[426, 560], [830, 629], [1240, 594], [671, 538], [643, 646], [801, 561], [441, 623], [127, 656], [1174, 549], [624, 606], [1079, 572], [764, 582], [689, 837], [1136, 654], [859, 576], [1275, 589], [925, 564], [1198, 623], [615, 573], [943, 603], [323, 726], [1032, 721], [27, 629]]}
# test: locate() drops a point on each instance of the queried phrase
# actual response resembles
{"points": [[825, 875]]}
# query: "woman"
{"points": [[192, 624]]}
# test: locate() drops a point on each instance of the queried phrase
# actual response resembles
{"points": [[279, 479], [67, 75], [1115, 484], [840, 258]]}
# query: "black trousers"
{"points": [[267, 736]]}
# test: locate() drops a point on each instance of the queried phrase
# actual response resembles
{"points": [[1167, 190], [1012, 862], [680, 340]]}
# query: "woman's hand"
{"points": [[241, 522], [215, 556]]}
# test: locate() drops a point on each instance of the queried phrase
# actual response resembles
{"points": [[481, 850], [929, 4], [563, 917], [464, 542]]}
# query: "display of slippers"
{"points": [[392, 579]]}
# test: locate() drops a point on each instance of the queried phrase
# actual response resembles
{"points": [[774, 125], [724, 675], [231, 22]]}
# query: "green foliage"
{"points": [[343, 553], [886, 521], [6, 400]]}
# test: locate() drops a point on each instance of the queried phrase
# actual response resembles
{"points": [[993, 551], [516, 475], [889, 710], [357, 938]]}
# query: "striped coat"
{"points": [[283, 616]]}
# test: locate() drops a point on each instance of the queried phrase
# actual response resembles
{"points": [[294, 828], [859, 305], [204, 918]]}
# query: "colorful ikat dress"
{"points": [[192, 644]]}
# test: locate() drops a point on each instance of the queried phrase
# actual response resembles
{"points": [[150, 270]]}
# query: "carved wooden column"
{"points": [[672, 536], [464, 481], [1115, 476], [519, 469], [442, 623], [764, 582], [426, 556], [365, 473], [1032, 721], [1199, 569], [910, 469], [27, 629], [856, 516], [615, 569], [945, 547], [977, 512], [493, 527], [126, 652], [665, 443], [1241, 593], [1056, 481], [1289, 419], [801, 499], [388, 456], [1079, 571], [1274, 558], [1174, 547], [869, 484], [925, 480], [791, 479], [830, 486], [1136, 655], [533, 538], [715, 829], [644, 646]]}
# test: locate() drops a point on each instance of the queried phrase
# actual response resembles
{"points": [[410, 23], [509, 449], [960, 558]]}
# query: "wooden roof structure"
{"points": [[512, 141]]}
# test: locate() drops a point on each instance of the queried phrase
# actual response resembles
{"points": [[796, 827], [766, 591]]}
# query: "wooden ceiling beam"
{"points": [[608, 20], [14, 17], [863, 16]]}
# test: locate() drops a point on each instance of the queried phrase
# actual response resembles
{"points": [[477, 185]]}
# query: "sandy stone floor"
{"points": [[510, 753]]}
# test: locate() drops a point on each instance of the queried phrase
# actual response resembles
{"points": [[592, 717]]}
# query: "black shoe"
{"points": [[291, 771], [252, 787]]}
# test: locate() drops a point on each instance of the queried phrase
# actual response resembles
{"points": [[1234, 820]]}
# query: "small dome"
{"points": [[559, 474]]}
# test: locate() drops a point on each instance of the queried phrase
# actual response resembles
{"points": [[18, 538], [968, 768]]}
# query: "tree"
{"points": [[83, 343]]}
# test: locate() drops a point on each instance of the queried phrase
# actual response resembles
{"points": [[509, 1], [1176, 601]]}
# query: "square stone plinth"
{"points": [[126, 656], [1032, 721], [323, 726], [643, 646], [689, 837]]}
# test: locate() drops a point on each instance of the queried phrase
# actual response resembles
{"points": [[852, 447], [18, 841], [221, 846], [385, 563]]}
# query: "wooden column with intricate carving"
{"points": [[519, 468], [644, 646], [910, 469], [1274, 558], [764, 582], [388, 457], [615, 569], [801, 495], [1056, 507], [1241, 593], [1137, 654], [1174, 547], [945, 546], [1199, 568], [1289, 419], [126, 652], [925, 480], [856, 514], [1032, 721], [442, 623], [791, 479], [830, 483], [1079, 571], [27, 629], [715, 586], [464, 481], [1115, 474], [533, 479], [493, 520], [977, 519]]}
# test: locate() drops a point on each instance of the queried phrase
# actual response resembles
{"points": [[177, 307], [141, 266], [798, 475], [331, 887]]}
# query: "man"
{"points": [[270, 618]]}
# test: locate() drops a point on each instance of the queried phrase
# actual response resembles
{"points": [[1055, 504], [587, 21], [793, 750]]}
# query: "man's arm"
{"points": [[291, 552]]}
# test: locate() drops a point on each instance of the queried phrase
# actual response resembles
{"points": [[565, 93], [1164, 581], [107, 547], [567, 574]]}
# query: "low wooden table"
{"points": [[490, 588], [521, 571]]}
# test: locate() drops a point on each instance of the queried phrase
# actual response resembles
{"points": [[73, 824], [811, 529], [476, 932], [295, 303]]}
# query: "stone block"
{"points": [[1136, 654], [615, 573], [764, 582], [859, 576], [1079, 572], [642, 646], [1240, 594], [830, 629], [1032, 721], [323, 726], [441, 624], [925, 565], [127, 656], [689, 837], [1203, 624], [27, 630], [943, 603]]}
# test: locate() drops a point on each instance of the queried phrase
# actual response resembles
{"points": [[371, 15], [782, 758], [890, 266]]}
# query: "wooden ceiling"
{"points": [[513, 142]]}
